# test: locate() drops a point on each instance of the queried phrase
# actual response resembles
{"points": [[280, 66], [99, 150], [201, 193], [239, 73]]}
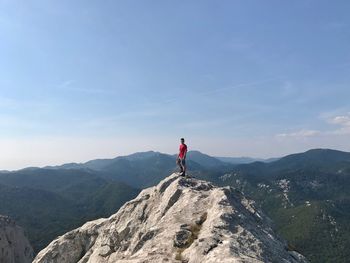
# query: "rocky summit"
{"points": [[179, 220], [14, 245]]}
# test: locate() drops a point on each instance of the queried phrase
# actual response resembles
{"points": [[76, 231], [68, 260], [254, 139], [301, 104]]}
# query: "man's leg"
{"points": [[178, 161], [183, 164]]}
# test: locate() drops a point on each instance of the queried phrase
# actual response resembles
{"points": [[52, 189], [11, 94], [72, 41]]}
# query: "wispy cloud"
{"points": [[196, 95], [340, 126], [72, 85], [240, 85], [8, 103], [288, 89], [235, 44], [301, 133], [343, 120], [204, 124], [15, 123], [343, 123], [94, 91], [65, 84], [119, 119]]}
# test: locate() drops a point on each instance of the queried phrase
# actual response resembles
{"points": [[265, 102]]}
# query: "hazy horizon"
{"points": [[84, 80], [42, 165]]}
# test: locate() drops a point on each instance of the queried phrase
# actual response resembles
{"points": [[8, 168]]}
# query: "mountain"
{"points": [[325, 159], [308, 197], [14, 245], [179, 220], [306, 194], [237, 160], [50, 202], [43, 214], [245, 160], [103, 164], [142, 172], [142, 169], [204, 159]]}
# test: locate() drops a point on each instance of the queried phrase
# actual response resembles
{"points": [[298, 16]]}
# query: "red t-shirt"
{"points": [[183, 150]]}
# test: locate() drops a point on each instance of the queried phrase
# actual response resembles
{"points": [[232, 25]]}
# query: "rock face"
{"points": [[179, 220], [14, 246]]}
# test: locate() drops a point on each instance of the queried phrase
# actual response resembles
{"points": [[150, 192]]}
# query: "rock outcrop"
{"points": [[179, 220], [14, 245]]}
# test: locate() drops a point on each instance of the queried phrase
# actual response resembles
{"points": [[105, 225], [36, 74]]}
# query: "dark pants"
{"points": [[182, 164]]}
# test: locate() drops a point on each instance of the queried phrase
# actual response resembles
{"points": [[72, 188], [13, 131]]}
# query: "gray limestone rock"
{"points": [[179, 220], [14, 245]]}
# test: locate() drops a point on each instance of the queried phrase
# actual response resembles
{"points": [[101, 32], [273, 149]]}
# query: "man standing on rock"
{"points": [[181, 158]]}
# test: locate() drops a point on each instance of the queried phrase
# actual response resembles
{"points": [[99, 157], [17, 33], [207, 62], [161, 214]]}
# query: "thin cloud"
{"points": [[10, 122], [341, 121], [241, 85], [301, 133], [94, 91], [119, 118], [69, 85], [8, 103], [65, 84], [205, 123], [195, 95]]}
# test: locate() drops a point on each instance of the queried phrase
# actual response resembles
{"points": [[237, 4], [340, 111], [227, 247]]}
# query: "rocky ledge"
{"points": [[14, 245], [179, 220]]}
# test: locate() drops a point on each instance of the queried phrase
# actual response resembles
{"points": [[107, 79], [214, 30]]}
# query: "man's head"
{"points": [[182, 140]]}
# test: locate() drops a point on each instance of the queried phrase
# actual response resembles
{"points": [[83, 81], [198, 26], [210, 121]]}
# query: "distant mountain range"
{"points": [[52, 200], [196, 156], [245, 160], [308, 197], [48, 202], [306, 194]]}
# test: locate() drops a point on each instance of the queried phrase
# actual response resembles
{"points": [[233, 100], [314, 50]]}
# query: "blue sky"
{"points": [[93, 79]]}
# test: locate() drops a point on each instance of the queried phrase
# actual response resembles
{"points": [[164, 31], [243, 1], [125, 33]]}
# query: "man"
{"points": [[181, 158]]}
